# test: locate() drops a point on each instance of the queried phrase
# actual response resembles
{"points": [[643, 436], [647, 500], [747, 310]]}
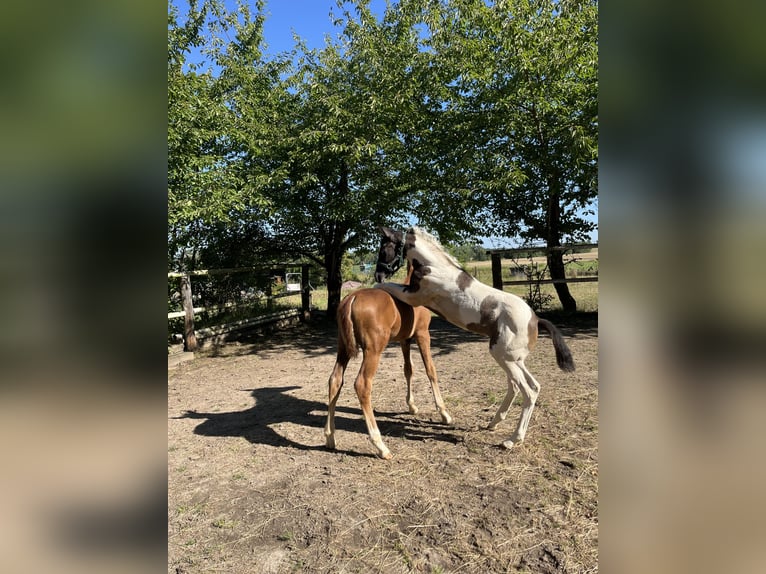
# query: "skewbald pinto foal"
{"points": [[438, 283]]}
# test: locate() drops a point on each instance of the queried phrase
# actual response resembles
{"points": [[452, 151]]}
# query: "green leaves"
{"points": [[525, 96], [211, 180], [473, 118]]}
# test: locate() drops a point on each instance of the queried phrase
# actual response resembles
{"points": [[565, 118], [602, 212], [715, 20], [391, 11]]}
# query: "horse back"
{"points": [[375, 314]]}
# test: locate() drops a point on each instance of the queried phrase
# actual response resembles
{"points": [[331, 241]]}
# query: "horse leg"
{"points": [[532, 388], [424, 345], [335, 383], [502, 410], [518, 382], [363, 387], [498, 352], [408, 377]]}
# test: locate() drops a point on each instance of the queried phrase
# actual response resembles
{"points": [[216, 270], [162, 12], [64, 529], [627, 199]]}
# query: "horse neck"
{"points": [[434, 256]]}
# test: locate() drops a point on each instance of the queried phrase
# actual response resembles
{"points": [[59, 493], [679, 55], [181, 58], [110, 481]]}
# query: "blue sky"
{"points": [[310, 19]]}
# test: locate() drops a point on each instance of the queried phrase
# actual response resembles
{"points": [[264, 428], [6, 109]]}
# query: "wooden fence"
{"points": [[292, 288], [496, 256]]}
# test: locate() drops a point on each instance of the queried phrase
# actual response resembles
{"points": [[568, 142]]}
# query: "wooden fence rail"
{"points": [[197, 310], [592, 279], [190, 335], [496, 256]]}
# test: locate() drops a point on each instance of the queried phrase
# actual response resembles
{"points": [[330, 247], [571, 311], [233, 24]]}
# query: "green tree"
{"points": [[340, 141], [218, 110], [468, 251], [511, 133], [191, 133]]}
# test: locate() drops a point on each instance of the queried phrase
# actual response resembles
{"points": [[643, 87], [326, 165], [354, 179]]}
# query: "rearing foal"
{"points": [[440, 284], [369, 319]]}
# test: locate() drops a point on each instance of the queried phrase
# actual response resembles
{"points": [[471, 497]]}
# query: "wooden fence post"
{"points": [[190, 339], [497, 271], [305, 293]]}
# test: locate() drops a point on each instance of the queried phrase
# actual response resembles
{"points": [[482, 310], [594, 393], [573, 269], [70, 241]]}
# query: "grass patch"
{"points": [[224, 523], [402, 550], [192, 510]]}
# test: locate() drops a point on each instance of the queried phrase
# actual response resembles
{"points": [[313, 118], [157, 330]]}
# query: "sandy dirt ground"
{"points": [[252, 488]]}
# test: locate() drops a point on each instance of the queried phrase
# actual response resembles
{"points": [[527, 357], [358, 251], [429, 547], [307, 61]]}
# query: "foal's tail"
{"points": [[563, 355], [346, 336]]}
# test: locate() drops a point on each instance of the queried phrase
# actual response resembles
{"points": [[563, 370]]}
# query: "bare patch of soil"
{"points": [[252, 488]]}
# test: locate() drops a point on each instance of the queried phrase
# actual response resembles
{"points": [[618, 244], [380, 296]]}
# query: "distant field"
{"points": [[585, 256]]}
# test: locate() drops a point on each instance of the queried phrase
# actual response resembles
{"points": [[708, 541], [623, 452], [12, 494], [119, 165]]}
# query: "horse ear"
{"points": [[387, 232]]}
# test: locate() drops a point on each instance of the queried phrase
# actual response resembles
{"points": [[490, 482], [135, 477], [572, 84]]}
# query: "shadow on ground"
{"points": [[275, 405]]}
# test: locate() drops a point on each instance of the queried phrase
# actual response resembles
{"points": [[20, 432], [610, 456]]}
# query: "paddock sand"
{"points": [[253, 490]]}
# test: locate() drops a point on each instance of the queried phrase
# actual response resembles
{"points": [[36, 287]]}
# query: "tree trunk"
{"points": [[556, 268], [335, 248], [334, 281], [556, 256], [305, 294]]}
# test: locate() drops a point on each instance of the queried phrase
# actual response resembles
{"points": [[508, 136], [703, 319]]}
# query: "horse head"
{"points": [[391, 254]]}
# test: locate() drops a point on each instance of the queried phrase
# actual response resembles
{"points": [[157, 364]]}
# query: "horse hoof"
{"points": [[414, 410], [508, 444], [386, 455], [330, 443], [446, 419]]}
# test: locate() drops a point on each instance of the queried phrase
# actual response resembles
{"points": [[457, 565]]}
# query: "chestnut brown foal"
{"points": [[369, 319]]}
